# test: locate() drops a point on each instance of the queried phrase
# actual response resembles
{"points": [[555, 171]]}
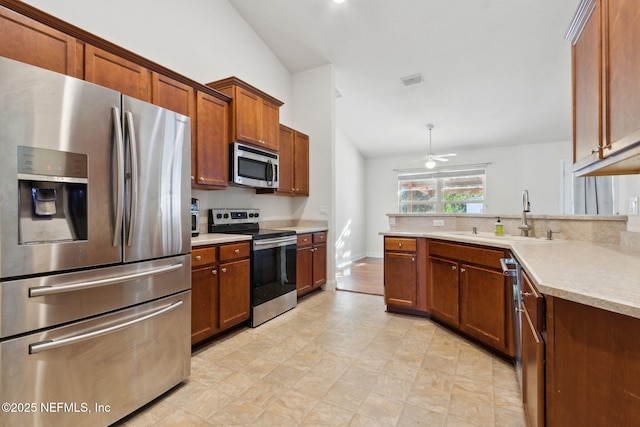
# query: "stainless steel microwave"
{"points": [[253, 167]]}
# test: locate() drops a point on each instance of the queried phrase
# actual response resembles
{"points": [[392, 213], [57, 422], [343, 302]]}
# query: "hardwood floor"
{"points": [[364, 276]]}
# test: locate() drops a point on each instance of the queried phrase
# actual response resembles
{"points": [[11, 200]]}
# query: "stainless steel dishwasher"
{"points": [[511, 268]]}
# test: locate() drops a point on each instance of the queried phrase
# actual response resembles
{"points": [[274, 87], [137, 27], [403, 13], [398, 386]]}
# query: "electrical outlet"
{"points": [[438, 222], [323, 209], [633, 206]]}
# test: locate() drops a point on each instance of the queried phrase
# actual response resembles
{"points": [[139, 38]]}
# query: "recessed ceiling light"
{"points": [[338, 1]]}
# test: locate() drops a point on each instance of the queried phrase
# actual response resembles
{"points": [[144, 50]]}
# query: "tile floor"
{"points": [[339, 359]]}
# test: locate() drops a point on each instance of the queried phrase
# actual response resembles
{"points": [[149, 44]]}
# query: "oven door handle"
{"points": [[48, 290], [269, 243], [52, 344]]}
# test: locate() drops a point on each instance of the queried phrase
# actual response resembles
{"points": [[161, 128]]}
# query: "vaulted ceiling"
{"points": [[495, 72]]}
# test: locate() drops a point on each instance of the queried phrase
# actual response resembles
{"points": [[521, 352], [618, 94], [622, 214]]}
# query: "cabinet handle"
{"points": [[525, 294], [237, 251], [224, 270], [192, 177], [462, 270], [453, 267], [201, 179], [198, 257], [399, 245], [214, 271], [413, 259], [306, 240]]}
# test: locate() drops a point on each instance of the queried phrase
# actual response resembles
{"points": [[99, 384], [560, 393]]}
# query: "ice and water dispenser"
{"points": [[52, 196]]}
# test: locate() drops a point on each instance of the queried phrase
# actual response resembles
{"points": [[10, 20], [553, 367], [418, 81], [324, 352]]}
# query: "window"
{"points": [[447, 191]]}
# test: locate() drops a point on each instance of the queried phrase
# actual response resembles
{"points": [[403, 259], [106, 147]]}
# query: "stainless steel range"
{"points": [[273, 261]]}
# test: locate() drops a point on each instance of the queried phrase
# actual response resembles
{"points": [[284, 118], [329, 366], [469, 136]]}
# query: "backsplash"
{"points": [[609, 229]]}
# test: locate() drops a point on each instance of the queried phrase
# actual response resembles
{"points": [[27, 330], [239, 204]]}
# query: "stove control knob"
{"points": [[226, 216], [250, 215], [256, 215], [219, 216]]}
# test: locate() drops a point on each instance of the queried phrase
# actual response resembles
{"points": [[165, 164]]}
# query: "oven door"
{"points": [[273, 278]]}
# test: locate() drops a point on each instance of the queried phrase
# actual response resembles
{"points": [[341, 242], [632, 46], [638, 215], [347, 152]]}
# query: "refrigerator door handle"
{"points": [[38, 291], [52, 344], [133, 153], [119, 202]]}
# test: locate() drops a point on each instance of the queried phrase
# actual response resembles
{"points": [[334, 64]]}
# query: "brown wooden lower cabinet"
{"points": [[533, 358], [593, 366], [311, 262], [220, 288], [467, 290]]}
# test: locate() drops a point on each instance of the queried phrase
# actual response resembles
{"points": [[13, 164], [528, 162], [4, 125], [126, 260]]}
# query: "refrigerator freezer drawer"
{"points": [[40, 302], [96, 371]]}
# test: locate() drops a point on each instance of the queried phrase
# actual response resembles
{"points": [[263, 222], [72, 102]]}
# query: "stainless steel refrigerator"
{"points": [[95, 300]]}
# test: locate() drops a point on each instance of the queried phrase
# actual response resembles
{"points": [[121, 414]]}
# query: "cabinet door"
{"points": [[109, 70], [31, 42], [622, 63], [210, 145], [483, 305], [269, 121], [400, 287], [204, 303], [532, 373], [179, 97], [247, 116], [304, 270], [587, 91], [234, 293], [173, 95], [301, 164], [286, 158], [442, 288], [319, 265]]}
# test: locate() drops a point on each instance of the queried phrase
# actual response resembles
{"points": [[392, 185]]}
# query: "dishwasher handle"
{"points": [[509, 267]]}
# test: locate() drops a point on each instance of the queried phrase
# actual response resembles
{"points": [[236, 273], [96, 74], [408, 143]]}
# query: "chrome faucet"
{"points": [[526, 207]]}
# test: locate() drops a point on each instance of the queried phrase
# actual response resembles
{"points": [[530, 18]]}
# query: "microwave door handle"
{"points": [[133, 153], [269, 173], [119, 198]]}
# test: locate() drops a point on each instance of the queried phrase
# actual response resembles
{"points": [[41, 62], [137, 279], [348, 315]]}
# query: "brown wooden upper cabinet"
{"points": [[294, 162], [606, 87], [115, 72], [209, 153], [31, 42], [254, 115]]}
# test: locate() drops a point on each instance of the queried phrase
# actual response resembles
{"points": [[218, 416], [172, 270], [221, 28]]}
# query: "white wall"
{"points": [[203, 40], [535, 167], [629, 187], [350, 201]]}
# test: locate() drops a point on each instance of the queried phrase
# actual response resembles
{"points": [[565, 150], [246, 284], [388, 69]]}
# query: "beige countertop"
{"points": [[217, 238], [302, 230], [602, 276]]}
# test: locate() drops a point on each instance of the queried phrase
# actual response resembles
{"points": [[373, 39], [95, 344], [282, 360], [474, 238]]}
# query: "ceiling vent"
{"points": [[337, 93], [416, 79]]}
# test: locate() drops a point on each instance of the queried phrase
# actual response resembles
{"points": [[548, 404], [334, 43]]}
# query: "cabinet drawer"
{"points": [[533, 303], [320, 237], [304, 240], [203, 256], [400, 244], [234, 251], [471, 254]]}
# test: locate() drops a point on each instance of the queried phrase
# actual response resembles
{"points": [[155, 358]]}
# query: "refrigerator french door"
{"points": [[94, 234]]}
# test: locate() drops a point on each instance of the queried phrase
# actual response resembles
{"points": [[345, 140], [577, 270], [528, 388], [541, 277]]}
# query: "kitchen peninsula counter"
{"points": [[597, 275]]}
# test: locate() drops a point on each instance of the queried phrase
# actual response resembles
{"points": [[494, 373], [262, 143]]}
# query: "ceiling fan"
{"points": [[432, 158]]}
